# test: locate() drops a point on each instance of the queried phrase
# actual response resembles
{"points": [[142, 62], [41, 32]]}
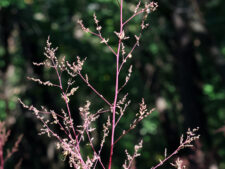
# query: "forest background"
{"points": [[179, 69]]}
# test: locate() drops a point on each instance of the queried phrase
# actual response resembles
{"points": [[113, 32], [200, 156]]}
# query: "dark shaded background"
{"points": [[179, 69]]}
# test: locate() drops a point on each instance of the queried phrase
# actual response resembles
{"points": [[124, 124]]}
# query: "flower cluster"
{"points": [[178, 164], [127, 164]]}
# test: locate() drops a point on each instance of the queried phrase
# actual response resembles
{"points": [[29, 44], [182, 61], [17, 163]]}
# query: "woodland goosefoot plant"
{"points": [[70, 141], [4, 134]]}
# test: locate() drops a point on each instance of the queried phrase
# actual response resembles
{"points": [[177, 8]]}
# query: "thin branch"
{"points": [[131, 128], [128, 55], [92, 146], [135, 14], [103, 40], [191, 136], [94, 90]]}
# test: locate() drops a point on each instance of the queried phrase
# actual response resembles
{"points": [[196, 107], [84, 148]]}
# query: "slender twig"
{"points": [[124, 60], [102, 111], [100, 36], [89, 85], [131, 128], [92, 146], [168, 157], [121, 115], [141, 11]]}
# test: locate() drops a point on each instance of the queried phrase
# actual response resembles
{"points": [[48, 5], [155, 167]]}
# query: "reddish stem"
{"points": [[141, 11], [92, 146], [89, 85], [135, 45], [64, 97], [100, 36], [116, 86]]}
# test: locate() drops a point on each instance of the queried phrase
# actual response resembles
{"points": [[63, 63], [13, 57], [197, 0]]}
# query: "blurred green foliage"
{"points": [[19, 3]]}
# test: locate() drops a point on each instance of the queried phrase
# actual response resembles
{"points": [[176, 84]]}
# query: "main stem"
{"points": [[116, 86]]}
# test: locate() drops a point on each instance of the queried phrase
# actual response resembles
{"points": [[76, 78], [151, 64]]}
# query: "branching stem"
{"points": [[68, 109], [116, 87]]}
